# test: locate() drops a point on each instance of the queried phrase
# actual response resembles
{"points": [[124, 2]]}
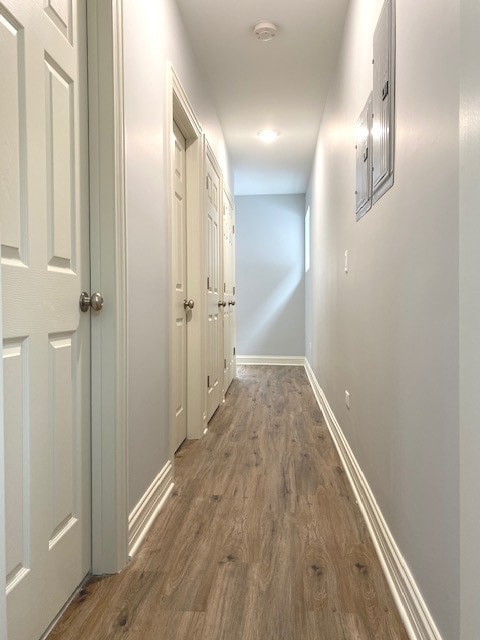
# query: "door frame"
{"points": [[180, 110], [108, 275]]}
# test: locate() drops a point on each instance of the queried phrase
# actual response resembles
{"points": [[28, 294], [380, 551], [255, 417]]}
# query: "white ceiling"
{"points": [[281, 84]]}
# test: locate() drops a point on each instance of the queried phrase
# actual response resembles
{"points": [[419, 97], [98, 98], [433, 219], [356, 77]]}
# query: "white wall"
{"points": [[270, 275], [388, 330], [153, 35], [469, 319]]}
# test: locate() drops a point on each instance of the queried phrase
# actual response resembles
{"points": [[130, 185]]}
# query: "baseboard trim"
{"points": [[411, 605], [296, 361], [145, 512]]}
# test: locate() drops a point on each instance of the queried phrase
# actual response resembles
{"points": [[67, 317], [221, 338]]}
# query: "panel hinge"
{"points": [[233, 229], [206, 182], [234, 351], [233, 290], [208, 282], [208, 382], [224, 363]]}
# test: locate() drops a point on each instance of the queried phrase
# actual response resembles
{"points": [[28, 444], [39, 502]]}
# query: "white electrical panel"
{"points": [[363, 161], [383, 128]]}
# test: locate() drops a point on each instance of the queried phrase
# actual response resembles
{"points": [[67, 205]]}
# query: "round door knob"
{"points": [[188, 304], [222, 303], [232, 302], [94, 301]]}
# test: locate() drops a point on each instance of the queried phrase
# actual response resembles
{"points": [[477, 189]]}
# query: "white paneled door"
{"points": [[228, 291], [179, 262], [212, 208], [46, 344]]}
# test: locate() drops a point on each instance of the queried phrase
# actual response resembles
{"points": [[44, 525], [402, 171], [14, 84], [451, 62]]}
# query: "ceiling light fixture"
{"points": [[268, 135], [265, 31]]}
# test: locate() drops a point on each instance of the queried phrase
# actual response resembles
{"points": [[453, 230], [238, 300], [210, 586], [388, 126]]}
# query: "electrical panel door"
{"points": [[383, 101], [363, 160]]}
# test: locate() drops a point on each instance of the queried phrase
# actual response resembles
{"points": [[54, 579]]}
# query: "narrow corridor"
{"points": [[261, 539]]}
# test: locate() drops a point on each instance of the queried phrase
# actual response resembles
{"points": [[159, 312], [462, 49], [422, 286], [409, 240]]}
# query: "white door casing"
{"points": [[108, 275], [46, 344], [179, 268], [233, 315], [213, 335]]}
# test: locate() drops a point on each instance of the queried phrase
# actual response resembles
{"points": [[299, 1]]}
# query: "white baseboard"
{"points": [[412, 607], [298, 361], [145, 512]]}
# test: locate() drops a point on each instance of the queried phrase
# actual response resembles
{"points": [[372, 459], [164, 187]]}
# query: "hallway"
{"points": [[261, 538]]}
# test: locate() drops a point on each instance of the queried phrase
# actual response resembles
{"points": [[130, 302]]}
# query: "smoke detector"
{"points": [[265, 31]]}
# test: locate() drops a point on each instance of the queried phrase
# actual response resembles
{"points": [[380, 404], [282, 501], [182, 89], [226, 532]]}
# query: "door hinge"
{"points": [[385, 90], [225, 363], [233, 229], [234, 351], [224, 287], [233, 290], [208, 282], [208, 382], [206, 182]]}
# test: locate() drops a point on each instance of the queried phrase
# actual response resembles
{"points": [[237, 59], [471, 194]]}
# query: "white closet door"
{"points": [[229, 291], [46, 339], [212, 212], [179, 262]]}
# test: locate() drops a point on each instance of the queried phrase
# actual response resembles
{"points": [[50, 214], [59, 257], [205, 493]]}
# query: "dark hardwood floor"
{"points": [[261, 539]]}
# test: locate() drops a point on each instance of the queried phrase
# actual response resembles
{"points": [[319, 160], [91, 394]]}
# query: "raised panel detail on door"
{"points": [[212, 208], [12, 139], [63, 436], [15, 366], [60, 165], [179, 249], [60, 13]]}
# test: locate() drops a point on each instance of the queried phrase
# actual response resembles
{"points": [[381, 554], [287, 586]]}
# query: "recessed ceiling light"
{"points": [[268, 135], [265, 31]]}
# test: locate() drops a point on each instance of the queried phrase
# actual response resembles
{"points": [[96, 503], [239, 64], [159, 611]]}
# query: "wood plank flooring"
{"points": [[261, 539]]}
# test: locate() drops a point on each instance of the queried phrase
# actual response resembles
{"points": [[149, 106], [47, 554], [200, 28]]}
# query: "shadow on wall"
{"points": [[270, 275], [270, 323]]}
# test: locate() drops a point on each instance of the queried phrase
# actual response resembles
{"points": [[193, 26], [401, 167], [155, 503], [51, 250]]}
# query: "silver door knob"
{"points": [[222, 303], [188, 304], [232, 302], [95, 301]]}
